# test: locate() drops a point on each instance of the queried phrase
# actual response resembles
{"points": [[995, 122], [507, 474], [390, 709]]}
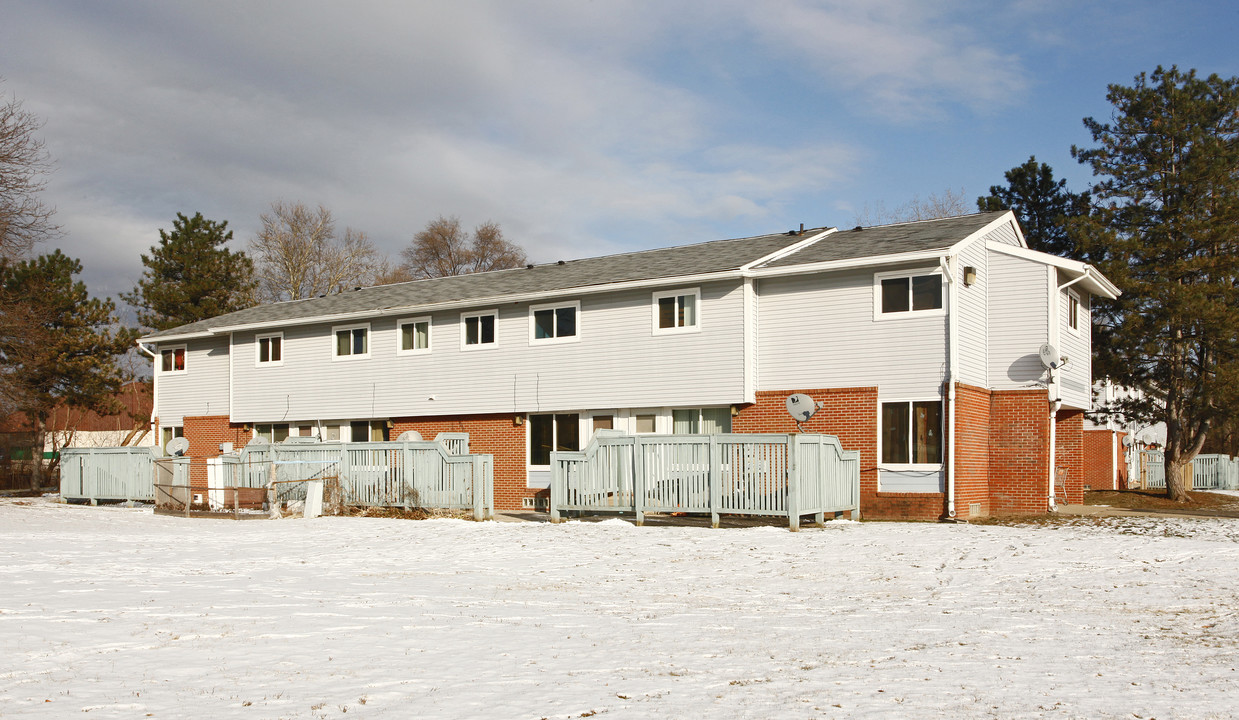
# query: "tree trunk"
{"points": [[36, 457], [1178, 479]]}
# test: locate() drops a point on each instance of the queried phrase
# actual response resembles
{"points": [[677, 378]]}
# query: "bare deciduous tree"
{"points": [[298, 255], [948, 204], [24, 219], [443, 248]]}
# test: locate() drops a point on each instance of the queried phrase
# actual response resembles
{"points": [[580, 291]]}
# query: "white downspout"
{"points": [[951, 363], [154, 389]]}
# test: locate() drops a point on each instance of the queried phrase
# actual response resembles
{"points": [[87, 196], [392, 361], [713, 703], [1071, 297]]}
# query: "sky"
{"points": [[582, 128]]}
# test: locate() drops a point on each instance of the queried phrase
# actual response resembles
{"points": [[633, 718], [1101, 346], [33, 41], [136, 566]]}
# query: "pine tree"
{"points": [[68, 351], [1042, 204], [191, 275], [1164, 229]]}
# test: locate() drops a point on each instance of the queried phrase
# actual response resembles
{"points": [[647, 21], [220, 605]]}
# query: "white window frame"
{"points": [[464, 331], [533, 326], [1073, 318], [677, 330], [258, 361], [335, 348], [880, 316], [400, 350], [912, 419], [173, 348]]}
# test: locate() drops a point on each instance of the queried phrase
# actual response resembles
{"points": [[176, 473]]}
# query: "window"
{"points": [[478, 329], [368, 431], [270, 349], [1073, 311], [271, 432], [414, 336], [912, 432], [551, 323], [352, 342], [676, 311], [907, 293], [547, 433], [709, 421], [167, 433], [646, 424], [172, 360]]}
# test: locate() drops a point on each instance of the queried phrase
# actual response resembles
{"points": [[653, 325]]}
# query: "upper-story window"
{"points": [[172, 359], [1073, 311], [899, 294], [478, 329], [677, 311], [414, 336], [270, 349], [554, 323], [351, 342]]}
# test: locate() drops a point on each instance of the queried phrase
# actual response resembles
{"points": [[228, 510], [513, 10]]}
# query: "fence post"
{"points": [[477, 488], [638, 481], [716, 479], [557, 486], [793, 483]]}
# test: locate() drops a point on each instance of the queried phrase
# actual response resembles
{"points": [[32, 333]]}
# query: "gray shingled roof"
{"points": [[708, 257], [703, 258], [879, 240]]}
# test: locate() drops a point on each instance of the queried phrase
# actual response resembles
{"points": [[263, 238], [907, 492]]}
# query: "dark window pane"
{"points": [[567, 432], [565, 322], [666, 312], [279, 433], [276, 349], [895, 295], [488, 328], [406, 337], [166, 366], [359, 431], [471, 330], [541, 439], [894, 432], [264, 350], [342, 342], [359, 341], [927, 432], [927, 292], [543, 324]]}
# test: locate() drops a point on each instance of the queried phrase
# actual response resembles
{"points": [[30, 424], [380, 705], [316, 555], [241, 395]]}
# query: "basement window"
{"points": [[912, 433]]}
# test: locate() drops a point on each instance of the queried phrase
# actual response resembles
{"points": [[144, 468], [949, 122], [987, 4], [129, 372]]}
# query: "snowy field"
{"points": [[119, 613]]}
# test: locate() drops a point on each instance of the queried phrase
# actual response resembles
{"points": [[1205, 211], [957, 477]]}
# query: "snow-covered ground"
{"points": [[120, 613]]}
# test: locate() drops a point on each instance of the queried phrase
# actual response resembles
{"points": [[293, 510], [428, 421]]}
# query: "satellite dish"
{"points": [[1127, 441], [801, 407], [178, 446], [409, 436], [1050, 357]]}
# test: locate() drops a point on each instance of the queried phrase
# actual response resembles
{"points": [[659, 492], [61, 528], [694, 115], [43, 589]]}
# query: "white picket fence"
{"points": [[760, 474], [425, 474], [1209, 472]]}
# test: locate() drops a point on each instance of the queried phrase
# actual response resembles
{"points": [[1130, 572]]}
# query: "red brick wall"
{"points": [[498, 435], [1069, 456], [1019, 458], [1099, 459], [972, 450], [205, 433], [851, 414]]}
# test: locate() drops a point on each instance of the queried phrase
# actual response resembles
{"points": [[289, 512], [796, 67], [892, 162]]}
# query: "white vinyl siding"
{"points": [[202, 389], [971, 326], [1019, 299], [618, 363], [1005, 234], [818, 331], [1075, 378]]}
